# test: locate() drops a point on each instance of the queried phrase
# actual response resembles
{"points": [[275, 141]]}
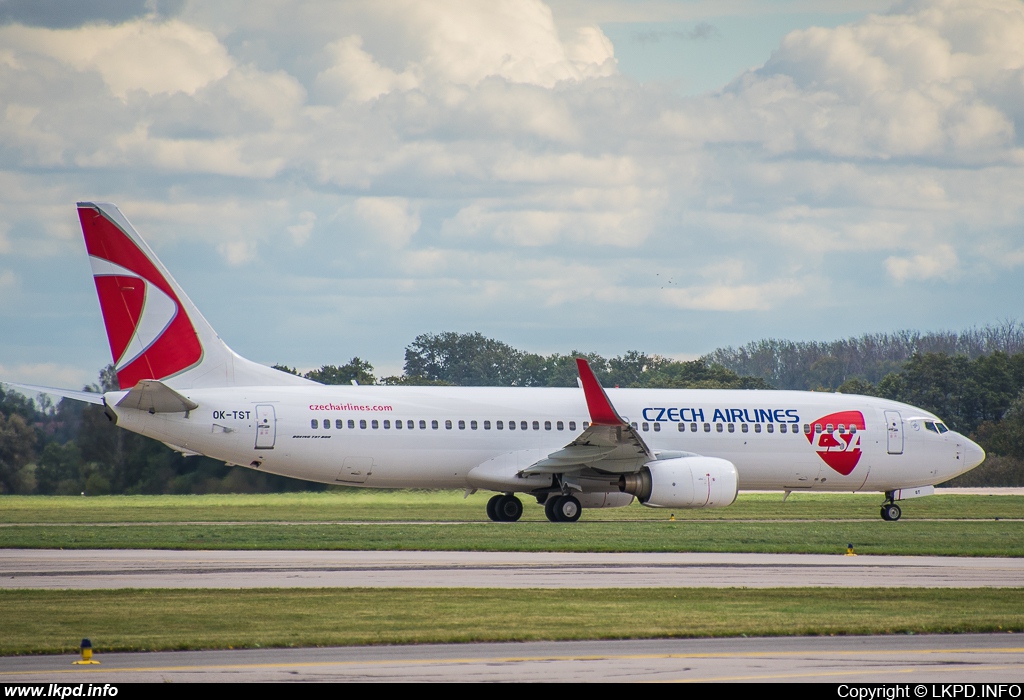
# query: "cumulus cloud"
{"points": [[391, 220], [940, 261], [496, 152]]}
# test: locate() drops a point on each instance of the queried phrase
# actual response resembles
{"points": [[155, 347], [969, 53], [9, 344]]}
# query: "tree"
{"points": [[356, 369], [464, 359], [17, 448]]}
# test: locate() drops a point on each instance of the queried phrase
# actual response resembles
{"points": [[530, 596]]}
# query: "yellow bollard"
{"points": [[672, 516], [849, 551], [87, 659]]}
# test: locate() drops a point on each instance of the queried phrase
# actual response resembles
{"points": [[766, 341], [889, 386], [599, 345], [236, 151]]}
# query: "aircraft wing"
{"points": [[609, 444], [87, 396]]}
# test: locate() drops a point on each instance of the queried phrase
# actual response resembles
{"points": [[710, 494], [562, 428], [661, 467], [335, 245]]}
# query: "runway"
{"points": [[96, 569], [929, 659]]}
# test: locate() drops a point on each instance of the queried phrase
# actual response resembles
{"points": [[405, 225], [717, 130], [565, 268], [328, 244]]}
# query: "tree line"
{"points": [[974, 380]]}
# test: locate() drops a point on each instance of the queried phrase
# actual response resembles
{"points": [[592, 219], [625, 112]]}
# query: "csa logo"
{"points": [[840, 448]]}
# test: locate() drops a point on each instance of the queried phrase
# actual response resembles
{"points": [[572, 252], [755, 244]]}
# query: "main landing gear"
{"points": [[504, 508], [562, 509]]}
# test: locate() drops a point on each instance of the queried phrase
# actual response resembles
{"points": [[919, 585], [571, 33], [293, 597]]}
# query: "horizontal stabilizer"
{"points": [[156, 397], [86, 396]]}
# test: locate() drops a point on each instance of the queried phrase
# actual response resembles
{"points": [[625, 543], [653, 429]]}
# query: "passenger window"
{"points": [[828, 428], [387, 425], [423, 425], [362, 425], [511, 425], [757, 427], [499, 424], [410, 425], [841, 428], [522, 425], [338, 424], [487, 425], [313, 424], [398, 425], [472, 425], [327, 423], [681, 427], [771, 427], [693, 427], [547, 425], [707, 427], [433, 425], [462, 425], [807, 429], [374, 424], [447, 425], [657, 427], [586, 424], [572, 425], [744, 428], [646, 427], [817, 428], [732, 427], [634, 425], [560, 425], [718, 427], [853, 429], [536, 425], [352, 424]]}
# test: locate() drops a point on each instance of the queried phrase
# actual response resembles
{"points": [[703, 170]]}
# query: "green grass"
{"points": [[137, 620], [418, 520], [373, 505]]}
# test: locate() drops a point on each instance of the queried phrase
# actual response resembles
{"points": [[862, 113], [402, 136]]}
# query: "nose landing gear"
{"points": [[891, 512]]}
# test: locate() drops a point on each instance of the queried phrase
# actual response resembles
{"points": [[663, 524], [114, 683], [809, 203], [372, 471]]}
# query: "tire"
{"points": [[891, 512], [549, 508], [492, 507], [568, 509], [509, 509]]}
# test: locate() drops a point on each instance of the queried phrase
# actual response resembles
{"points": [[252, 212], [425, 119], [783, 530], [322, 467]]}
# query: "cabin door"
{"points": [[266, 428]]}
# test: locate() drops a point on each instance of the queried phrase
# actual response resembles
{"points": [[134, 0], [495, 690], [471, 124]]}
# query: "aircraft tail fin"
{"points": [[154, 329]]}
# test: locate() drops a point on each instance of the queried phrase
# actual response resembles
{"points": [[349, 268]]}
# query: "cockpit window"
{"points": [[942, 428], [929, 425]]}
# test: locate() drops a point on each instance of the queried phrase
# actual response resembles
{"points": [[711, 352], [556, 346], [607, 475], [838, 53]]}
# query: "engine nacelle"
{"points": [[684, 482]]}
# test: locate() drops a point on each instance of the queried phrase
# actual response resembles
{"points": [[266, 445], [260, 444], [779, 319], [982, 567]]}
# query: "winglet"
{"points": [[601, 410]]}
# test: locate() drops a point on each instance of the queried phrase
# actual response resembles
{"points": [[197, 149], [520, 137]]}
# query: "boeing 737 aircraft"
{"points": [[570, 449]]}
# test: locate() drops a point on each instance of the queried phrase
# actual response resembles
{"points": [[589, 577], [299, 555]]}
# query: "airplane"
{"points": [[569, 448]]}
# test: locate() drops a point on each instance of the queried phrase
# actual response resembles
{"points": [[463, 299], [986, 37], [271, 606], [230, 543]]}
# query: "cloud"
{"points": [[301, 231], [391, 220], [938, 262]]}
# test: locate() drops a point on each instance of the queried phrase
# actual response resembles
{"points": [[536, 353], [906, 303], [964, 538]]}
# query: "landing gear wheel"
{"points": [[568, 509], [492, 507], [508, 509], [549, 508], [891, 512]]}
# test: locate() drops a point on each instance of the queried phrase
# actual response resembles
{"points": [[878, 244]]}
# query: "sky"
{"points": [[332, 179]]}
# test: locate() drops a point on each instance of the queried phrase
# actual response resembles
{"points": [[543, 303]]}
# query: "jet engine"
{"points": [[683, 482]]}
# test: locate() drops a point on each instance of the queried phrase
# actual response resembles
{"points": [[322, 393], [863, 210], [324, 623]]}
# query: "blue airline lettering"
{"points": [[722, 415]]}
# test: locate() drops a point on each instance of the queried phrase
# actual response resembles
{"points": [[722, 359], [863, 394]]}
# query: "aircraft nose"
{"points": [[973, 454]]}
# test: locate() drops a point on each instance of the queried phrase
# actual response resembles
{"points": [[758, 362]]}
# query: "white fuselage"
{"points": [[348, 434]]}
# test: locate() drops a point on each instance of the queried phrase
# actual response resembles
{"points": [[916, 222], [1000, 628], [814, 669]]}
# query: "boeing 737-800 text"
{"points": [[568, 448]]}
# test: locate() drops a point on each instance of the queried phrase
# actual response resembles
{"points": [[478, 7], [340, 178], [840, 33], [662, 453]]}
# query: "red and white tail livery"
{"points": [[154, 329], [570, 449]]}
